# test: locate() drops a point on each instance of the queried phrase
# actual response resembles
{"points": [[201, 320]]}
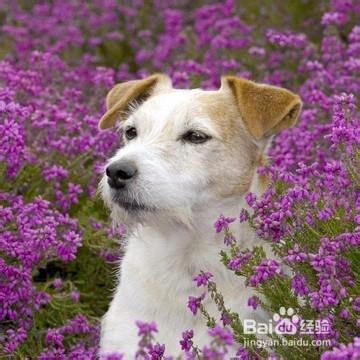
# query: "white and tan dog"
{"points": [[188, 156]]}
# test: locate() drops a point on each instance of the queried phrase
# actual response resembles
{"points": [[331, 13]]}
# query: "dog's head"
{"points": [[186, 149]]}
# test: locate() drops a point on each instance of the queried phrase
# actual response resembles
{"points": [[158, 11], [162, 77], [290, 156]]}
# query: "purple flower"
{"points": [[222, 334], [344, 313], [55, 172], [239, 260], [229, 239], [186, 341], [156, 351], [244, 215], [57, 283], [250, 199], [225, 319], [203, 278], [145, 328], [243, 354], [53, 336], [222, 223], [75, 296], [266, 270], [349, 351], [356, 304], [296, 255], [253, 302], [195, 302], [286, 39], [335, 18], [299, 285]]}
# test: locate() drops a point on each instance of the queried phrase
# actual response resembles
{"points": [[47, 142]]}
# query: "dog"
{"points": [[188, 155]]}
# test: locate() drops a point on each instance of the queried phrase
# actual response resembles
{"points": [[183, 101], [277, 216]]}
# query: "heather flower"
{"points": [[53, 354], [57, 283], [186, 342], [273, 357], [344, 313], [156, 352], [212, 353], [229, 239], [203, 278], [349, 351], [295, 255], [222, 335], [244, 215], [38, 233], [225, 319], [55, 340], [145, 328], [195, 302], [253, 302], [222, 224], [335, 18], [14, 339], [146, 348], [356, 304], [13, 149], [243, 354], [75, 296], [239, 260], [54, 337], [286, 39], [299, 285], [266, 270], [78, 325], [250, 199], [257, 51], [55, 172]]}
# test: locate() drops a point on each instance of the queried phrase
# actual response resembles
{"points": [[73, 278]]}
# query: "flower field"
{"points": [[58, 250]]}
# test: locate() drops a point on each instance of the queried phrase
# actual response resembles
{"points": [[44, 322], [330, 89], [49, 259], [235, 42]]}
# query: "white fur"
{"points": [[170, 244]]}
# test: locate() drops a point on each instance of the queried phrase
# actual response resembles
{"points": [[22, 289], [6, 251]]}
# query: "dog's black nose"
{"points": [[120, 172]]}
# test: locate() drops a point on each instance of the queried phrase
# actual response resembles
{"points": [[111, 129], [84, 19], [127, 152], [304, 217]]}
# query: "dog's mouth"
{"points": [[130, 204]]}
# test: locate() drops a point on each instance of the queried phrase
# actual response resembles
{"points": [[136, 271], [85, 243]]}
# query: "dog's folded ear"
{"points": [[122, 95], [265, 109]]}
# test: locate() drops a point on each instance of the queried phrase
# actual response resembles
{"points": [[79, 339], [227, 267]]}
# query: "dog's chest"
{"points": [[157, 280]]}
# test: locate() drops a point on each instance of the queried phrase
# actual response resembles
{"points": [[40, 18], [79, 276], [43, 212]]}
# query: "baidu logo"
{"points": [[286, 321]]}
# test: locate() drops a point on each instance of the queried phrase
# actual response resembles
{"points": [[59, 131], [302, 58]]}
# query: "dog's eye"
{"points": [[195, 137], [130, 133]]}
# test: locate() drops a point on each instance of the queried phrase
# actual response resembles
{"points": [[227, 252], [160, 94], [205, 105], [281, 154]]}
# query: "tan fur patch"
{"points": [[222, 111], [264, 180], [122, 95], [265, 109]]}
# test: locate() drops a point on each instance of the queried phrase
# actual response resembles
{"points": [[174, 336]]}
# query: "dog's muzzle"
{"points": [[120, 174]]}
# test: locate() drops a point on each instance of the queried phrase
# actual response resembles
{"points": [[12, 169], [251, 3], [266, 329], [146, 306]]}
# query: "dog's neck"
{"points": [[170, 247], [176, 248], [198, 230]]}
